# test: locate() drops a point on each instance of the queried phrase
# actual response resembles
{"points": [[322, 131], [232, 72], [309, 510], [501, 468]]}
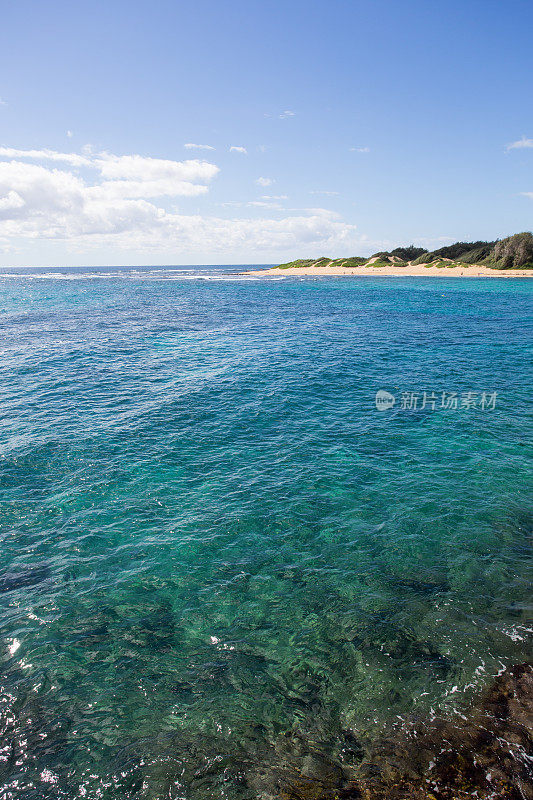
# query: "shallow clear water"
{"points": [[219, 560]]}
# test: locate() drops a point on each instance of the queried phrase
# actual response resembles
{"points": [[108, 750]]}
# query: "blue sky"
{"points": [[336, 128]]}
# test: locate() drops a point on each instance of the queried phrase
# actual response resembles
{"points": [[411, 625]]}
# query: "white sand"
{"points": [[410, 271]]}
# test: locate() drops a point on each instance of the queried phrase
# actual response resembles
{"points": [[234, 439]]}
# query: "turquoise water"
{"points": [[220, 563]]}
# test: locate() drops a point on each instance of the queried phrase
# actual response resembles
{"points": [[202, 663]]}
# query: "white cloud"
{"points": [[141, 168], [112, 203], [274, 197], [324, 191], [265, 181], [132, 176], [2, 102], [11, 201], [327, 212], [283, 115], [162, 187], [527, 194], [37, 200], [360, 149], [236, 149], [522, 143], [46, 155], [264, 204], [70, 134], [191, 146], [43, 196]]}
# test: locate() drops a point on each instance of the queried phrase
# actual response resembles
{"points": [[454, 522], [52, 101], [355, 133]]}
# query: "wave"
{"points": [[154, 275]]}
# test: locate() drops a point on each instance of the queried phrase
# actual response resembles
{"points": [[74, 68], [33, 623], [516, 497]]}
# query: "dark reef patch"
{"points": [[487, 755], [9, 581]]}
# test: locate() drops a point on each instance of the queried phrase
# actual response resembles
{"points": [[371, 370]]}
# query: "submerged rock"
{"points": [[9, 581], [487, 755]]}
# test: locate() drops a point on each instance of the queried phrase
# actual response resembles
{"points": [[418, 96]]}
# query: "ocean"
{"points": [[221, 563]]}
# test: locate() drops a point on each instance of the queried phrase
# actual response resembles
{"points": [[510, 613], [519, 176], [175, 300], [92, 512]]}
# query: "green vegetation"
{"points": [[301, 262], [398, 262], [477, 254], [408, 253], [513, 252], [460, 250], [355, 261], [403, 254]]}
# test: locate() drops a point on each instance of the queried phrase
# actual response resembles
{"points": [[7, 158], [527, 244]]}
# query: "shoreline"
{"points": [[410, 271]]}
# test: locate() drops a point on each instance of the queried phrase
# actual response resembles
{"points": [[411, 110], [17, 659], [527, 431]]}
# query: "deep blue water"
{"points": [[219, 561]]}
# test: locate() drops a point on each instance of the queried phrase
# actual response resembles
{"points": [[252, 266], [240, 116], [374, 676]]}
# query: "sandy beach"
{"points": [[409, 271]]}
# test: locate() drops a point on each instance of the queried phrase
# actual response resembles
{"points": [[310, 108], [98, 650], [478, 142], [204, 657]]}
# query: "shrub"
{"points": [[423, 259], [354, 261], [477, 254], [408, 253], [514, 252], [470, 252], [458, 249], [301, 262]]}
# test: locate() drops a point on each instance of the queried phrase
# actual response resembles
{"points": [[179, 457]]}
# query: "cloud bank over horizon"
{"points": [[122, 202]]}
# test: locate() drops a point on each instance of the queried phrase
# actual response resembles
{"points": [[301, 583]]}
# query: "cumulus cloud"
{"points": [[191, 146], [141, 176], [162, 187], [104, 200], [140, 168], [238, 149], [44, 200], [360, 149], [70, 134], [265, 181], [521, 144], [11, 201]]}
